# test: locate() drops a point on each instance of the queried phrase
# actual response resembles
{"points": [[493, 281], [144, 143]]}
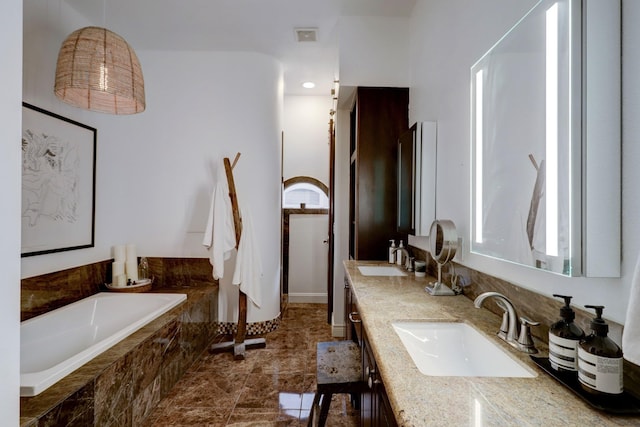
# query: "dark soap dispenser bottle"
{"points": [[564, 337], [600, 360]]}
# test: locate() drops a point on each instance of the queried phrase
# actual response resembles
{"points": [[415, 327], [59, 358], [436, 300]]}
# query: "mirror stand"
{"points": [[443, 243], [438, 288]]}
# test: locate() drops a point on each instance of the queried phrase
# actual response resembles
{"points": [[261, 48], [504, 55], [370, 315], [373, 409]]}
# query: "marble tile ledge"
{"points": [[420, 400]]}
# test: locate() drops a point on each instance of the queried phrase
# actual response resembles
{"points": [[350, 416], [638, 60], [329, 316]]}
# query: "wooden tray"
{"points": [[139, 286]]}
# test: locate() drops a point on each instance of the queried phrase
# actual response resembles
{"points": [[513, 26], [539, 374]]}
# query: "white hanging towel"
{"points": [[219, 236], [631, 330], [248, 272]]}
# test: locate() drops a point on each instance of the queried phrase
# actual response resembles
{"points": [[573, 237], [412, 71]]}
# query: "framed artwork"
{"points": [[58, 183]]}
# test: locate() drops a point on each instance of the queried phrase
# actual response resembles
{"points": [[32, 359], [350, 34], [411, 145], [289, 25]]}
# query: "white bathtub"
{"points": [[56, 343]]}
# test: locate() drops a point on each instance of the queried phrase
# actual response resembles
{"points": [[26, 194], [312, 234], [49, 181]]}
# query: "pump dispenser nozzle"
{"points": [[566, 312], [599, 326]]}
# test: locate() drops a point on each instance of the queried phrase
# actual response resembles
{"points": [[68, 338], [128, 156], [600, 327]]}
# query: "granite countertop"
{"points": [[420, 400]]}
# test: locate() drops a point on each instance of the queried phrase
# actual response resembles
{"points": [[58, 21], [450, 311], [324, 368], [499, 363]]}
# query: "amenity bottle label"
{"points": [[563, 353], [602, 374]]}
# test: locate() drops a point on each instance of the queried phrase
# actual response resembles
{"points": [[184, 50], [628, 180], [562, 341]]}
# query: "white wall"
{"points": [[447, 37], [10, 178], [156, 170], [373, 51], [306, 137]]}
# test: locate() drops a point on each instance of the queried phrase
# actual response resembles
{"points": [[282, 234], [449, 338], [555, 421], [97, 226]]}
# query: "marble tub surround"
{"points": [[121, 386], [420, 400], [181, 272], [46, 292]]}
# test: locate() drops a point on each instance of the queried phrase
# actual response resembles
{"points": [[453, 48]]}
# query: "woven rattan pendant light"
{"points": [[97, 70]]}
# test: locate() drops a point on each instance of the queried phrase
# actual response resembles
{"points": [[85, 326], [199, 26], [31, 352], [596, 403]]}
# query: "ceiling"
{"points": [[266, 26]]}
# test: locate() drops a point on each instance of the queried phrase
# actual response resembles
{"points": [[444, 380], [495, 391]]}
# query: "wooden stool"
{"points": [[338, 370]]}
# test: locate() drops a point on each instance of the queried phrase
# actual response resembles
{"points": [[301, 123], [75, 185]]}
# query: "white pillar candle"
{"points": [[117, 268], [119, 281], [131, 253], [119, 253], [132, 270]]}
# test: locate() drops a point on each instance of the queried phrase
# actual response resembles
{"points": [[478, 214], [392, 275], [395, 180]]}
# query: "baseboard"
{"points": [[312, 298], [337, 330]]}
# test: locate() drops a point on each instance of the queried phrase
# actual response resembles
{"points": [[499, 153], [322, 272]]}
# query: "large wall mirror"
{"points": [[545, 130]]}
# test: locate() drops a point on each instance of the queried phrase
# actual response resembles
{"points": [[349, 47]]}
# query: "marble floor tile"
{"points": [[272, 387]]}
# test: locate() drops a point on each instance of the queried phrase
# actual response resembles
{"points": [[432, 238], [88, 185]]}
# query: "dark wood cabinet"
{"points": [[368, 397], [352, 322], [378, 118], [375, 408]]}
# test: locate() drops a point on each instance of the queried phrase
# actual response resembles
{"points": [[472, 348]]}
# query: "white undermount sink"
{"points": [[380, 270], [456, 349]]}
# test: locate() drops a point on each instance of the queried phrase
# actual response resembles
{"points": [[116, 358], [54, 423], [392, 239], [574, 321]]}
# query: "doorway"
{"points": [[305, 240]]}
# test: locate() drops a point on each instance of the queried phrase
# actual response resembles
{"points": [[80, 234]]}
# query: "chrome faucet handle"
{"points": [[406, 255], [409, 264], [525, 341], [509, 328], [506, 326]]}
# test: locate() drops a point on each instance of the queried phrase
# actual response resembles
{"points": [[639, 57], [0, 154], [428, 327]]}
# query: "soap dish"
{"points": [[623, 404]]}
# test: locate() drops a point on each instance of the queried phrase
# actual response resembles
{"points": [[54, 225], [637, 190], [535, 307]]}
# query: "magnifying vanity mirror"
{"points": [[545, 130], [443, 244]]}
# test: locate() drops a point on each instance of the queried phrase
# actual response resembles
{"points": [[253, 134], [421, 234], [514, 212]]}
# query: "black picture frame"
{"points": [[58, 183]]}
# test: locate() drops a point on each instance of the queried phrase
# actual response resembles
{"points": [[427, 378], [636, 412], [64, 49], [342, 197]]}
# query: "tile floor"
{"points": [[273, 386]]}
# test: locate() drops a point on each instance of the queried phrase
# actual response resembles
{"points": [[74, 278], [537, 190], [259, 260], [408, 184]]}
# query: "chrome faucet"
{"points": [[509, 329], [408, 264]]}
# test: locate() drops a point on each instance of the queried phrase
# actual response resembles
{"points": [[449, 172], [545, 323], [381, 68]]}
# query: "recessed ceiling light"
{"points": [[308, 85]]}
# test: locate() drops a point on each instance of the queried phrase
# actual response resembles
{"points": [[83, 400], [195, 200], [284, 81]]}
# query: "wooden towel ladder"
{"points": [[240, 343]]}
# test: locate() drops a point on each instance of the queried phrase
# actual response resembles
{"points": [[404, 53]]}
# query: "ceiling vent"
{"points": [[306, 34]]}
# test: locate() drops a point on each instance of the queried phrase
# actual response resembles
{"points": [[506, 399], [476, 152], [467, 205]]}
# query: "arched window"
{"points": [[309, 191]]}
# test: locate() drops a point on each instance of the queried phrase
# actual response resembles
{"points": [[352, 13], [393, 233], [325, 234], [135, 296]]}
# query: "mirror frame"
{"points": [[407, 191], [595, 152], [423, 179]]}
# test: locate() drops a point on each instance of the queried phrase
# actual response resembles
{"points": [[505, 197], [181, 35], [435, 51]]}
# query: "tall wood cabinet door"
{"points": [[380, 116]]}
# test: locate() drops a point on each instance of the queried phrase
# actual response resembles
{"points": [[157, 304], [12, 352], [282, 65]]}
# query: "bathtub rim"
{"points": [[56, 373]]}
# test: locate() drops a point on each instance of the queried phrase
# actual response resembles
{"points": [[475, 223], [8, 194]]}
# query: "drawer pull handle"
{"points": [[371, 382], [355, 313]]}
